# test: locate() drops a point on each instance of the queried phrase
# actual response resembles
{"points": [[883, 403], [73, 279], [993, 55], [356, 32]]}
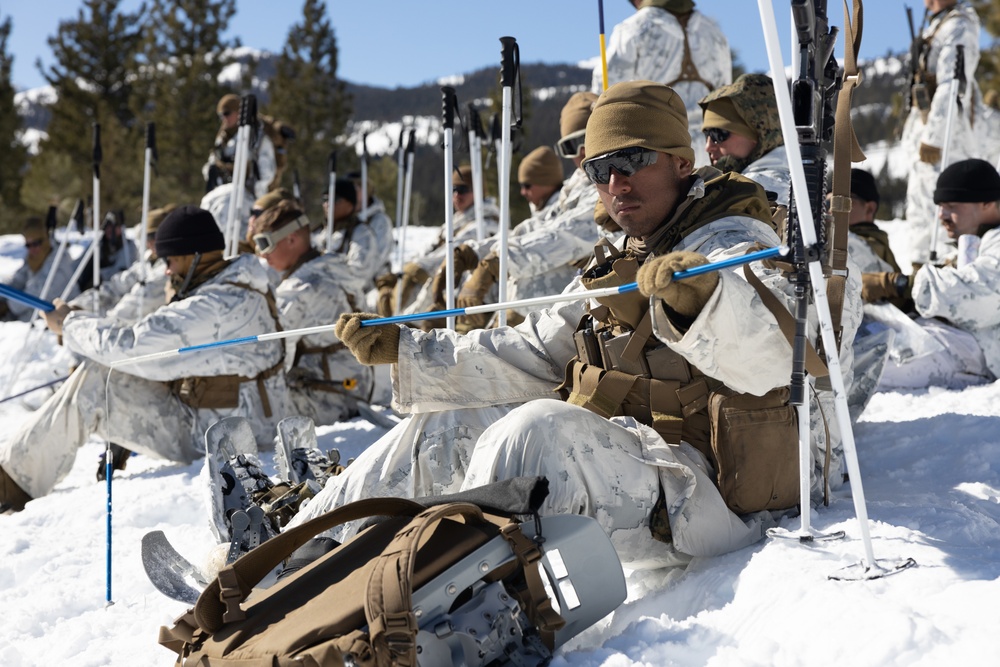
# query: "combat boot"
{"points": [[12, 497]]}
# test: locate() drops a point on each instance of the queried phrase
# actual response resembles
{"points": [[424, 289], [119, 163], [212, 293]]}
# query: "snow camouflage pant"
{"points": [[958, 363], [145, 418]]}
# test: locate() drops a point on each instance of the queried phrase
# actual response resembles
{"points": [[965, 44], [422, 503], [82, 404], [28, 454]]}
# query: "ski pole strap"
{"points": [[41, 386], [846, 150], [15, 294]]}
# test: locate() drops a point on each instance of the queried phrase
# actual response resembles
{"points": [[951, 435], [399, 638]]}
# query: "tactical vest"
{"points": [[689, 71], [216, 392], [621, 368]]}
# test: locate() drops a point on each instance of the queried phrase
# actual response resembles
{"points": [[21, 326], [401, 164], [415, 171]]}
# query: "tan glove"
{"points": [[687, 297], [54, 318], [466, 259], [371, 346], [475, 289], [929, 154], [385, 284], [413, 277], [884, 286]]}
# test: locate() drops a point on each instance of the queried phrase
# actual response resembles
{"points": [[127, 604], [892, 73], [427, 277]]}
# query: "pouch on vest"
{"points": [[210, 393], [442, 585], [755, 450]]}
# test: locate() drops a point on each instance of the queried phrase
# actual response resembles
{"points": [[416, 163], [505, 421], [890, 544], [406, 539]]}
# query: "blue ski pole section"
{"points": [[15, 294]]}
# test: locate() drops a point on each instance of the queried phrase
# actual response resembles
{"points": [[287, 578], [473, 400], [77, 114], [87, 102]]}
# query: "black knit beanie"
{"points": [[863, 185], [968, 181], [188, 230]]}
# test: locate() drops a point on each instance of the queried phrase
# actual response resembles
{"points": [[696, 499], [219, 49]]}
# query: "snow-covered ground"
{"points": [[931, 471]]}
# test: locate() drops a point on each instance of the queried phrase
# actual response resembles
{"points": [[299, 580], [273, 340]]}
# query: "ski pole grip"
{"points": [[411, 141], [475, 122], [97, 144], [151, 136], [50, 220], [448, 104], [364, 144], [332, 162], [495, 131], [508, 44]]}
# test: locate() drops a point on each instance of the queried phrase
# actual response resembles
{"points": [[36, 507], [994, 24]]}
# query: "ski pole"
{"points": [[364, 176], [59, 253], [808, 232], [80, 266], [28, 391], [150, 158], [96, 215], [954, 100], [476, 136], [331, 199], [448, 104], [407, 190], [777, 251], [14, 294], [604, 52], [509, 64], [400, 174]]}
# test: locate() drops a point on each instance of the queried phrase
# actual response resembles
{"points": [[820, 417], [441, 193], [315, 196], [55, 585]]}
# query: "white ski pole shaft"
{"points": [[407, 190], [448, 122], [331, 199], [96, 215], [949, 128], [147, 174], [476, 157], [238, 159], [508, 72], [56, 262], [364, 176], [400, 175], [808, 231], [78, 271]]}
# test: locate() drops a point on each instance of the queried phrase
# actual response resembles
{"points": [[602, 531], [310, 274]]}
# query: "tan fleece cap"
{"points": [[228, 102], [274, 197], [156, 216], [541, 167], [462, 176], [639, 113], [722, 114], [575, 113]]}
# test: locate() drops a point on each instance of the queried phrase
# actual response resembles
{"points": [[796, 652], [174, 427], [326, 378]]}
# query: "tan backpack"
{"points": [[422, 586]]}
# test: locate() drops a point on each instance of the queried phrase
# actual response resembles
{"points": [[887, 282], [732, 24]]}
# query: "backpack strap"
{"points": [[220, 602]]}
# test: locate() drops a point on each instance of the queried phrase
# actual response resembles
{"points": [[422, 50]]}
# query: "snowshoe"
{"points": [[233, 472], [298, 457], [171, 573]]}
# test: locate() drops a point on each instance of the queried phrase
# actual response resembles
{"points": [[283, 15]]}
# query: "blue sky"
{"points": [[407, 42]]}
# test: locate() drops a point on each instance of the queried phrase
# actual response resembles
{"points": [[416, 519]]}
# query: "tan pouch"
{"points": [[755, 447], [210, 393]]}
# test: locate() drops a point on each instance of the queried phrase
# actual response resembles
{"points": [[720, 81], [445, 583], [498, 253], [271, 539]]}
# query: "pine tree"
{"points": [[14, 153], [306, 94], [184, 54], [95, 59], [988, 72]]}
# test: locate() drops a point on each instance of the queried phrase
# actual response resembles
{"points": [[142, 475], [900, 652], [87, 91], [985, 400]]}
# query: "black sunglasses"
{"points": [[626, 162], [717, 134], [570, 145], [33, 244], [461, 189], [524, 186]]}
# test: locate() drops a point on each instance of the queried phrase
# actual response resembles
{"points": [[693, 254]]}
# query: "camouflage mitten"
{"points": [[686, 297], [373, 345]]}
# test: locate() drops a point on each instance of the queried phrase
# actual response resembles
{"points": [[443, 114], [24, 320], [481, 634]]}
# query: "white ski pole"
{"points": [[448, 105], [96, 215], [400, 175], [147, 172], [407, 191], [509, 63], [954, 94], [476, 136], [331, 193], [364, 176], [808, 232]]}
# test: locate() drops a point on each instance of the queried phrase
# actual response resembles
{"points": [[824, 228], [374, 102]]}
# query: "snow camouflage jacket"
{"points": [[217, 310], [464, 223], [771, 172], [216, 202], [377, 219], [735, 339], [650, 45], [313, 295], [968, 298], [119, 296], [33, 282]]}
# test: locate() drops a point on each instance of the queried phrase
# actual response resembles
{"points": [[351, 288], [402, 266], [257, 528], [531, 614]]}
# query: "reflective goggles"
{"points": [[570, 145], [626, 162], [266, 242], [717, 134]]}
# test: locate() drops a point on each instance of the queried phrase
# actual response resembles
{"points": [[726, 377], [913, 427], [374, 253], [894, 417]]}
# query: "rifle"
{"points": [[917, 90]]}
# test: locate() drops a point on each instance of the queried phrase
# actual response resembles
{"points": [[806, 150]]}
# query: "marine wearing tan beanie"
{"points": [[575, 113], [639, 113], [541, 167], [722, 114], [462, 176], [228, 102]]}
